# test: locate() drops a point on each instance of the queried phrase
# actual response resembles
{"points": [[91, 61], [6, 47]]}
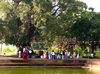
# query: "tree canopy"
{"points": [[26, 21]]}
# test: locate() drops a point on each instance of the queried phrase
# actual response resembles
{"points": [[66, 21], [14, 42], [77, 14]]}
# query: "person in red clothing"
{"points": [[25, 55], [47, 55], [41, 54]]}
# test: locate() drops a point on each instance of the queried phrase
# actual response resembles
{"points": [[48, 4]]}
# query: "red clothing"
{"points": [[25, 55], [46, 55]]}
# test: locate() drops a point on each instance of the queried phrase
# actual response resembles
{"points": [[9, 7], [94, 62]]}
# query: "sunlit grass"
{"points": [[97, 53], [8, 50]]}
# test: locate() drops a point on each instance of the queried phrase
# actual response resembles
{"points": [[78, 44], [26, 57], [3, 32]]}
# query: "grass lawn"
{"points": [[97, 53]]}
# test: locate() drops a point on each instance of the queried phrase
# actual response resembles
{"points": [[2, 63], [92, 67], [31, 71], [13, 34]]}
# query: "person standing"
{"points": [[20, 51], [30, 53], [53, 54], [47, 55], [19, 54]]}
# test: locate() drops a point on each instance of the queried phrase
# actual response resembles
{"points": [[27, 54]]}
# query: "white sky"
{"points": [[93, 3]]}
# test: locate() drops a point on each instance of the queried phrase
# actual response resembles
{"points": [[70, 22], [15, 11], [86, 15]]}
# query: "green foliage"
{"points": [[77, 48], [95, 27], [81, 29], [9, 50], [49, 19], [97, 53], [87, 27], [27, 1]]}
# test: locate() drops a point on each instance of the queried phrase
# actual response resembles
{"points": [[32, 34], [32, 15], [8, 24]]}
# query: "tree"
{"points": [[86, 29], [47, 19], [64, 14]]}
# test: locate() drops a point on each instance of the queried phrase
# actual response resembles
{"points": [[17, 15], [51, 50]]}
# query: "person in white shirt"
{"points": [[53, 54]]}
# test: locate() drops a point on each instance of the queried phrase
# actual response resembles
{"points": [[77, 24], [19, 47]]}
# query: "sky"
{"points": [[93, 3]]}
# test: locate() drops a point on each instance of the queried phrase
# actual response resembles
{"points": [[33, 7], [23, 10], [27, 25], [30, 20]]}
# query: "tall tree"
{"points": [[48, 19]]}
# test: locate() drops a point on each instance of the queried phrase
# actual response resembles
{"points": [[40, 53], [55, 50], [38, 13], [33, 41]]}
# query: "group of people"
{"points": [[25, 52], [63, 54], [54, 55]]}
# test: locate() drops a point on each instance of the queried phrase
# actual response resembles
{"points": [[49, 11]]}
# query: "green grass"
{"points": [[97, 53], [8, 51]]}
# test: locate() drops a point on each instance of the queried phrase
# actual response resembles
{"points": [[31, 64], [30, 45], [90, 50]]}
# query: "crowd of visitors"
{"points": [[26, 52], [58, 55]]}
